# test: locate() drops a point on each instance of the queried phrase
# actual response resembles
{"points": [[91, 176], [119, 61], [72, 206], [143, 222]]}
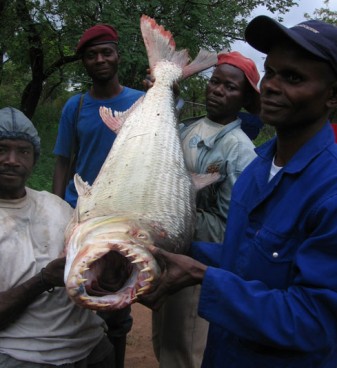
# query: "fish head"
{"points": [[108, 263]]}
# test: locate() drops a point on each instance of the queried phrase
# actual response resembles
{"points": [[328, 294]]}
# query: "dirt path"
{"points": [[139, 352]]}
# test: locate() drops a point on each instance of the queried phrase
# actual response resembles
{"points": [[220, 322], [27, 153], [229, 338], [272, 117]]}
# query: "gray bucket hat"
{"points": [[14, 124]]}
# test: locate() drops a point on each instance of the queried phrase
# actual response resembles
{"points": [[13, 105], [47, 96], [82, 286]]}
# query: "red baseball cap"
{"points": [[100, 33], [248, 67]]}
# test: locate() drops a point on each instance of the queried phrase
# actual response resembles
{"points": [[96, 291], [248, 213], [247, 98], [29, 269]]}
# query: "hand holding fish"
{"points": [[151, 199], [178, 272], [53, 273], [149, 81]]}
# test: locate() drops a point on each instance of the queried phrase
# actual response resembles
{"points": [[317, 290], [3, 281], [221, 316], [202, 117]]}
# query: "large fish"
{"points": [[142, 195]]}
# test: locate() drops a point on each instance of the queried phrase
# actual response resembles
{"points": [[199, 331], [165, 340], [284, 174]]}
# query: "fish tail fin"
{"points": [[160, 45]]}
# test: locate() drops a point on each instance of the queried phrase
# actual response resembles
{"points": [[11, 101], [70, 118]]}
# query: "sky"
{"points": [[294, 16]]}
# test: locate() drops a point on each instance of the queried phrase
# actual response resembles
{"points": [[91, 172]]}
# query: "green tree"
{"points": [[38, 37], [324, 14]]}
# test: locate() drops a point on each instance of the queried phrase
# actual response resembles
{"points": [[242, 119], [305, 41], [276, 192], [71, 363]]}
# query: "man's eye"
{"points": [[26, 151], [293, 77], [213, 81], [89, 55], [230, 87], [107, 52]]}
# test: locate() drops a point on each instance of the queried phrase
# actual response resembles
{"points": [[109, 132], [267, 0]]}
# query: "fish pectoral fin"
{"points": [[114, 121], [82, 187], [203, 180]]}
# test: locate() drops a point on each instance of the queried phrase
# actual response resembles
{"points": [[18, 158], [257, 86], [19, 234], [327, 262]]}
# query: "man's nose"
{"points": [[99, 57], [219, 89], [11, 158]]}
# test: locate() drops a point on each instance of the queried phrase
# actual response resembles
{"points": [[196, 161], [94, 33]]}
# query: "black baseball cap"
{"points": [[316, 37]]}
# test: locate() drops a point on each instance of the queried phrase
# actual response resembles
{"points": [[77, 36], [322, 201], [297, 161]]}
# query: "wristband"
{"points": [[49, 289]]}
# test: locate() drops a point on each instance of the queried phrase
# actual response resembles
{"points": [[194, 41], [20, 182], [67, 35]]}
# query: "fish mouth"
{"points": [[109, 274]]}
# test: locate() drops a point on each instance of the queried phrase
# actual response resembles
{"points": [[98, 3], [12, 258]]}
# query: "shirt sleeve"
{"points": [[300, 317], [66, 129], [213, 201]]}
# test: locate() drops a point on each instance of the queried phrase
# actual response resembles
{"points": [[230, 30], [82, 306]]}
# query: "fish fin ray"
{"points": [[82, 187], [201, 181], [160, 45], [115, 121], [203, 60]]}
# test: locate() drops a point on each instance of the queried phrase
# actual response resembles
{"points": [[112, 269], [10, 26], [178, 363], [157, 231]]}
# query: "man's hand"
{"points": [[53, 273], [178, 271], [149, 81]]}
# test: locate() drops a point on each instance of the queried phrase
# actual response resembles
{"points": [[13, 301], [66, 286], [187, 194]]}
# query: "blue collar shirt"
{"points": [[271, 300]]}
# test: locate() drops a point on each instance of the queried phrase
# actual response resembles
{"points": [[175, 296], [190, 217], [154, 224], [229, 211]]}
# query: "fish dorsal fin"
{"points": [[115, 121], [82, 187], [203, 180]]}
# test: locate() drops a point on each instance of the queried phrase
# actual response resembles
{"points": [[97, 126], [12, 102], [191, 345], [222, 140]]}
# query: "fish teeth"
{"points": [[151, 278], [138, 260], [131, 254], [84, 298], [93, 304], [90, 261], [144, 288], [146, 269], [81, 281]]}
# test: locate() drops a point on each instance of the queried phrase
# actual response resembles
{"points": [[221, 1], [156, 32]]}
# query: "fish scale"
{"points": [[143, 195]]}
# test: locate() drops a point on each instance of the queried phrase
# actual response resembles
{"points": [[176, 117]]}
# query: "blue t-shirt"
{"points": [[93, 136]]}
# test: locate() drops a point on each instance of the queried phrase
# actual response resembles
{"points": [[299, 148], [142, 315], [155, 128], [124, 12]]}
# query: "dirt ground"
{"points": [[139, 352]]}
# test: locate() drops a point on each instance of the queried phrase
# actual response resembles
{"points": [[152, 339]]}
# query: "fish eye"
{"points": [[142, 236]]}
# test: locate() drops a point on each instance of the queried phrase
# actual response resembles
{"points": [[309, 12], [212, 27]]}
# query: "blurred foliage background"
{"points": [[39, 70]]}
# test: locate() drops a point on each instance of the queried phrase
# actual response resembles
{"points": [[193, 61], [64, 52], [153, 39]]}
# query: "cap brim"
{"points": [[263, 33]]}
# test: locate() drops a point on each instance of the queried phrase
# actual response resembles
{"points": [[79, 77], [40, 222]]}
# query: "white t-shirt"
{"points": [[52, 330], [274, 169]]}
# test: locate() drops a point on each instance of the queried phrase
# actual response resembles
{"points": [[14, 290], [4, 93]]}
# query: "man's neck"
{"points": [[223, 120], [105, 91], [289, 141]]}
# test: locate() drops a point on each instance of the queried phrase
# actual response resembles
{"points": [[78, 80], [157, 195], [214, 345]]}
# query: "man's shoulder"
{"points": [[72, 103], [133, 92], [45, 198], [189, 121], [186, 125]]}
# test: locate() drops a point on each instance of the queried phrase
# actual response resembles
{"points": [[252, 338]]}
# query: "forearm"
{"points": [[13, 302], [60, 176]]}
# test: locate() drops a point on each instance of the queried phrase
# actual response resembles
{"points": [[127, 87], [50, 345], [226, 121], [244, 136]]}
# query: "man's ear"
{"points": [[332, 100]]}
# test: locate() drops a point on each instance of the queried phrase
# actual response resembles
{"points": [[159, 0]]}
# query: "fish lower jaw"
{"points": [[143, 271]]}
